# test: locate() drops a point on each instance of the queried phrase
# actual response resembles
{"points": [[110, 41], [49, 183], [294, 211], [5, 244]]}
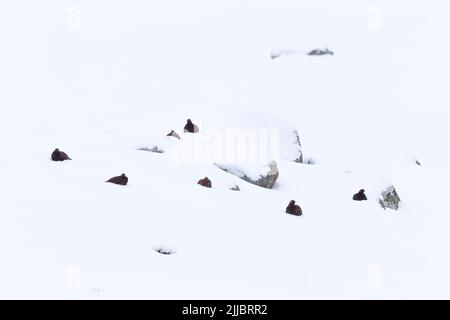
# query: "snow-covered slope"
{"points": [[123, 74]]}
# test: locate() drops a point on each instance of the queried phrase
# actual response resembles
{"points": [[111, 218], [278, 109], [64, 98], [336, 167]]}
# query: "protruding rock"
{"points": [[298, 146], [321, 52], [360, 196], [268, 180], [279, 53], [205, 182], [190, 127], [174, 134], [258, 135], [389, 198], [290, 147], [164, 251], [120, 180], [265, 176], [235, 188], [294, 209], [58, 155], [155, 149]]}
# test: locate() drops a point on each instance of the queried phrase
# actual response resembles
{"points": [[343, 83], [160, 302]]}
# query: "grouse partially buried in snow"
{"points": [[360, 196], [205, 182], [174, 134], [294, 209], [190, 127], [58, 155], [120, 180]]}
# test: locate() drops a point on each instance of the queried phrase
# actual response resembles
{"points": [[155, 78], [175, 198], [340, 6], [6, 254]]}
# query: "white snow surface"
{"points": [[131, 71]]}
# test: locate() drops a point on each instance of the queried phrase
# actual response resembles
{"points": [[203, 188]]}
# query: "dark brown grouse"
{"points": [[294, 209], [190, 127], [205, 182], [121, 180], [360, 196], [58, 155]]}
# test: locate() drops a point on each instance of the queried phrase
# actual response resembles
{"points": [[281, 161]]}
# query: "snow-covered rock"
{"points": [[298, 155], [280, 53], [389, 198], [162, 144], [264, 176], [275, 137], [155, 149], [321, 52], [235, 188]]}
